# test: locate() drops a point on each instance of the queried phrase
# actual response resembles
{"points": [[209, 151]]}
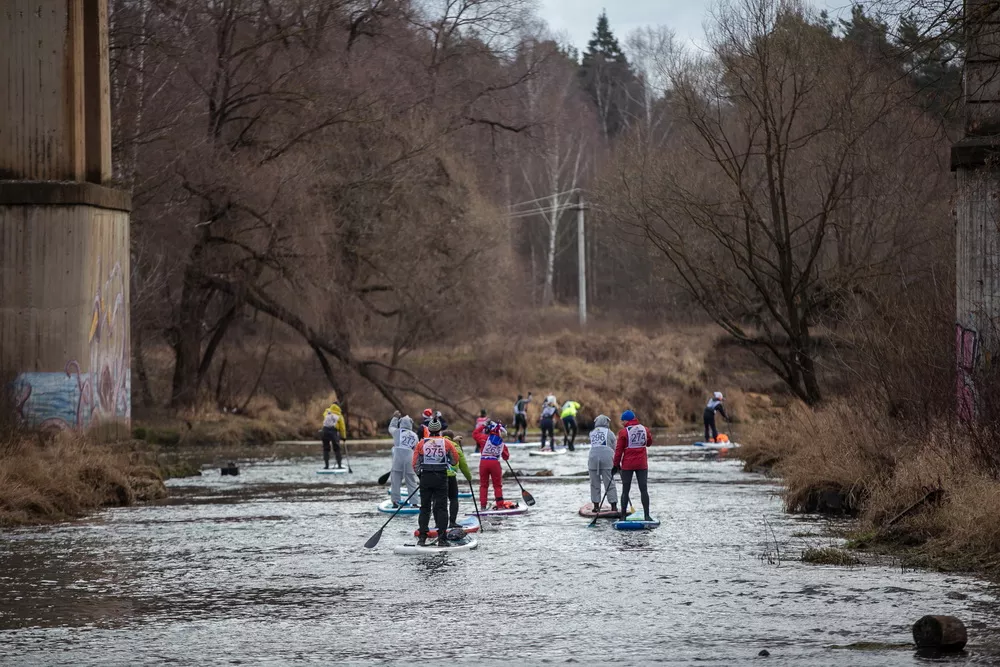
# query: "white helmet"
{"points": [[718, 395]]}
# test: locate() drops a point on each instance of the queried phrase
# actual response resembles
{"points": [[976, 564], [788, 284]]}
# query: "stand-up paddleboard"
{"points": [[332, 471], [605, 513], [547, 452], [405, 493], [467, 544], [469, 524], [387, 508], [635, 522], [717, 445], [513, 511]]}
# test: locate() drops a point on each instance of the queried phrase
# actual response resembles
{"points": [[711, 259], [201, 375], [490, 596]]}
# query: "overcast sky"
{"points": [[575, 19]]}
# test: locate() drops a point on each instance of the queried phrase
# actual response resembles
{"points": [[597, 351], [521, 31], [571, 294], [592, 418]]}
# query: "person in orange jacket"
{"points": [[489, 466], [431, 459], [630, 457]]}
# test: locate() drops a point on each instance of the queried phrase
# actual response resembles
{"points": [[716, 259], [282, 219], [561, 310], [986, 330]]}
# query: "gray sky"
{"points": [[576, 19]]}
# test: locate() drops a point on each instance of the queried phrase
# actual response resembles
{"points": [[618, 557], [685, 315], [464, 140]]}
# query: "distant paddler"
{"points": [[521, 417], [431, 459], [334, 430], [568, 415], [601, 462], [547, 422], [479, 433], [715, 404], [453, 479], [404, 441], [630, 457]]}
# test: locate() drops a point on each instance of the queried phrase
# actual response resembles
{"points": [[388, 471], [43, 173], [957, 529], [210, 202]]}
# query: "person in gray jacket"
{"points": [[404, 439], [602, 453]]}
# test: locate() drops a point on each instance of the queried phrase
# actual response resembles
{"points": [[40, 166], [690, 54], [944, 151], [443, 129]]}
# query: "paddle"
{"points": [[348, 457], [528, 498], [373, 540], [482, 527], [607, 488], [385, 478]]}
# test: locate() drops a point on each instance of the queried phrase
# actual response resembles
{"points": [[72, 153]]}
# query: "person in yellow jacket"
{"points": [[568, 414], [334, 430]]}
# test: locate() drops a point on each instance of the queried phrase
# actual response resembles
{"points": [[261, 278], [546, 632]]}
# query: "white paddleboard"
{"points": [[546, 452], [332, 471], [405, 493], [513, 511], [716, 445], [413, 549], [387, 508]]}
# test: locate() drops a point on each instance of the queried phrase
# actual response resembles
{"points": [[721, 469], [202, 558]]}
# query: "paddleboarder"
{"points": [[489, 466], [547, 421], [715, 404], [630, 458], [568, 415], [600, 463], [428, 415], [431, 459], [521, 417], [453, 479], [404, 440], [334, 430]]}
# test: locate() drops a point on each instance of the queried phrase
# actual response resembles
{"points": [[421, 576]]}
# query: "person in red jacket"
{"points": [[479, 434], [489, 466], [630, 457]]}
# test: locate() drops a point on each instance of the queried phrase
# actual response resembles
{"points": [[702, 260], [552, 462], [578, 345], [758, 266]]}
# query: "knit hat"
{"points": [[602, 421], [628, 416], [434, 426], [428, 413]]}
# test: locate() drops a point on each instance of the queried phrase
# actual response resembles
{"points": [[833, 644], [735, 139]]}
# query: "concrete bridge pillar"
{"points": [[64, 228]]}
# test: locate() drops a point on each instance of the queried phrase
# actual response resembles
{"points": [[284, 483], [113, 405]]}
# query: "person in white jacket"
{"points": [[602, 454], [404, 439]]}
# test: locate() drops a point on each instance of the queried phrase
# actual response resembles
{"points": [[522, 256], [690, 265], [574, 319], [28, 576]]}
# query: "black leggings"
{"points": [[548, 428], [710, 426], [331, 436], [569, 432], [433, 499], [641, 476]]}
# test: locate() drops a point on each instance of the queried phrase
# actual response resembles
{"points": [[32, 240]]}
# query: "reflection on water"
{"points": [[269, 567]]}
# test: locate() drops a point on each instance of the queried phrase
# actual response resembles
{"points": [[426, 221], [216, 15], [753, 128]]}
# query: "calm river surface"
{"points": [[269, 568]]}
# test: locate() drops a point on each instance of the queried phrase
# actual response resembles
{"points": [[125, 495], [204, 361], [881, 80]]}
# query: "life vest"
{"points": [[636, 436], [435, 454], [330, 419], [408, 439], [549, 411], [492, 450], [599, 437]]}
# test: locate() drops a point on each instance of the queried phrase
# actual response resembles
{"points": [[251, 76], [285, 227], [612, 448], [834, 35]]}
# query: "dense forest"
{"points": [[362, 179]]}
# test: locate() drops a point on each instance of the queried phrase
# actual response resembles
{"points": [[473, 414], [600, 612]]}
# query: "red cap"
{"points": [[428, 412]]}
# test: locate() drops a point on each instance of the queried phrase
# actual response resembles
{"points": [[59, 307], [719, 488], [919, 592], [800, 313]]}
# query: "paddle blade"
{"points": [[373, 540], [528, 498], [384, 478]]}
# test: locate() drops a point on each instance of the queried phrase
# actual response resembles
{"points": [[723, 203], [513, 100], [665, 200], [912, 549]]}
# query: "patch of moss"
{"points": [[829, 556]]}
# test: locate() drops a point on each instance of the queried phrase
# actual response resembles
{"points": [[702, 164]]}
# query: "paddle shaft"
{"points": [[476, 505], [373, 540], [528, 498], [348, 457]]}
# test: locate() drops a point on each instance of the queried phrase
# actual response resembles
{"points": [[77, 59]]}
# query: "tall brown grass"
{"points": [[884, 470], [57, 478]]}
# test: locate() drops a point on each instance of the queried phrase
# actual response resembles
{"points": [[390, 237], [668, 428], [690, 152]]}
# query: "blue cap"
{"points": [[628, 416]]}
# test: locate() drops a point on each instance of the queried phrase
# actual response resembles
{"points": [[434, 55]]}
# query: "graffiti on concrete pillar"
{"points": [[76, 398], [966, 356]]}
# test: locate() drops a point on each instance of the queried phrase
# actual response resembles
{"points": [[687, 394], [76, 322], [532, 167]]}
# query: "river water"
{"points": [[269, 568]]}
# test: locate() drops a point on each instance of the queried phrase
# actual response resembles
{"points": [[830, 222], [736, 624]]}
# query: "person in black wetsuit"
{"points": [[714, 405], [550, 412], [521, 417]]}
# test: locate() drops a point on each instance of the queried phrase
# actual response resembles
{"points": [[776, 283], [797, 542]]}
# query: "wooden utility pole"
{"points": [[64, 228], [581, 258]]}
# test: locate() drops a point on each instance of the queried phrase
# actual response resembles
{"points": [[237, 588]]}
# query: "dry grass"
{"points": [[66, 476], [885, 472]]}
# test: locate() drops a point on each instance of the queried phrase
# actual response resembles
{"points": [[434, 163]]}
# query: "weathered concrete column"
{"points": [[64, 232], [976, 161]]}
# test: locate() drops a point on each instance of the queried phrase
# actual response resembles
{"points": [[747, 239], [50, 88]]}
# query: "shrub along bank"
{"points": [[923, 492], [54, 478]]}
